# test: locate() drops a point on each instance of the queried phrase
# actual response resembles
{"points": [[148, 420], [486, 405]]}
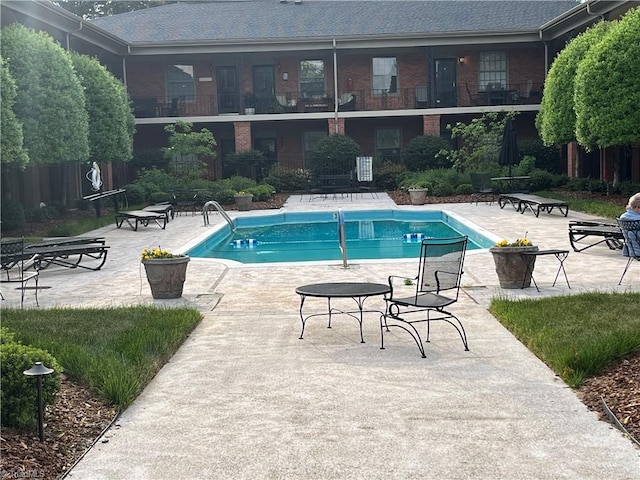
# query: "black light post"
{"points": [[38, 371]]}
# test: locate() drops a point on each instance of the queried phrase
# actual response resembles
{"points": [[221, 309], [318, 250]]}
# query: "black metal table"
{"points": [[359, 292], [561, 256]]}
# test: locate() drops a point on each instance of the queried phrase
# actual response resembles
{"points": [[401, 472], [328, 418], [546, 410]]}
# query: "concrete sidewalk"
{"points": [[244, 398]]}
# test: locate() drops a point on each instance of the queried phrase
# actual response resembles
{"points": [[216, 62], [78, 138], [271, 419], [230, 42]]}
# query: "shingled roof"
{"points": [[255, 20]]}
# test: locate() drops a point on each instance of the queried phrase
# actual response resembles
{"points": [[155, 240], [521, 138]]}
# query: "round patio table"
{"points": [[359, 292]]}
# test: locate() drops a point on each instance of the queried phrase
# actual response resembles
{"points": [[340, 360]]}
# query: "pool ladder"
{"points": [[342, 238], [218, 207]]}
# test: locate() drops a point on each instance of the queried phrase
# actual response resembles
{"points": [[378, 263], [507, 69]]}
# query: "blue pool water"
{"points": [[313, 236]]}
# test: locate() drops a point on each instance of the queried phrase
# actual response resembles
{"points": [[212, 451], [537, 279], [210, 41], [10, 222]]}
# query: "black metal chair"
{"points": [[482, 186], [631, 248], [14, 261], [437, 286]]}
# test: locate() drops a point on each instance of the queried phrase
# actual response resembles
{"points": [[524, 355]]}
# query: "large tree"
{"points": [[111, 122], [556, 120], [87, 9], [50, 100], [607, 87], [11, 139]]}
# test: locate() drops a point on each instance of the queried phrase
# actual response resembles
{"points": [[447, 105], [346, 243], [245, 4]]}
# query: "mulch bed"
{"points": [[79, 415]]}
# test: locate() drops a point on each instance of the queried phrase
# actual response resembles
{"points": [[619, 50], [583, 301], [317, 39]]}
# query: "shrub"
{"points": [[159, 197], [464, 189], [18, 391], [286, 179], [335, 154], [421, 153], [82, 204], [442, 190], [385, 175], [135, 193], [12, 214], [546, 158], [261, 193]]}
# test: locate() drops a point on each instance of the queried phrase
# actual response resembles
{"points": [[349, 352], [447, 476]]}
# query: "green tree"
{"points": [[479, 142], [188, 149], [607, 87], [111, 122], [11, 140], [50, 100], [86, 9], [422, 153], [556, 120], [335, 154]]}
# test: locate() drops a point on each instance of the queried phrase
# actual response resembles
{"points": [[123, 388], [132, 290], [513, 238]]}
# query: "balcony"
{"points": [[362, 100]]}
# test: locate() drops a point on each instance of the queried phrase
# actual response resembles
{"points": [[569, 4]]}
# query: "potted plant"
{"points": [[418, 193], [166, 272], [250, 102], [243, 200], [514, 269]]}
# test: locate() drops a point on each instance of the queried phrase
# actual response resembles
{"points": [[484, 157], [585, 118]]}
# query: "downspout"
{"points": [[68, 34], [335, 86]]}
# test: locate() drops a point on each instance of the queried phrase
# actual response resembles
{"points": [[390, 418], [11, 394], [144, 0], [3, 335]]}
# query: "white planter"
{"points": [[418, 196]]}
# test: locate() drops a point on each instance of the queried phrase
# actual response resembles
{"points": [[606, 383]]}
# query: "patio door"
{"points": [[444, 82], [264, 87], [227, 81]]}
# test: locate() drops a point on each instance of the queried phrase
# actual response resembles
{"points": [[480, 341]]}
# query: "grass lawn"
{"points": [[577, 335], [115, 350]]}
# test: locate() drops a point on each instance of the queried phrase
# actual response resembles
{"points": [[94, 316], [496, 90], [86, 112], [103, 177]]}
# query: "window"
{"points": [[180, 83], [385, 75], [388, 143], [492, 70], [312, 78], [311, 139]]}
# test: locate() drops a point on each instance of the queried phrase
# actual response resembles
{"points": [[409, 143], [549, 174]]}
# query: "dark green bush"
{"points": [[442, 190], [135, 193], [464, 189], [421, 151], [546, 158], [18, 391], [286, 179], [385, 175], [335, 155], [159, 197], [541, 180], [82, 204], [12, 214]]}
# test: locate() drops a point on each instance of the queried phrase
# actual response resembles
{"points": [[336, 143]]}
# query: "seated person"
{"points": [[633, 208], [631, 247]]}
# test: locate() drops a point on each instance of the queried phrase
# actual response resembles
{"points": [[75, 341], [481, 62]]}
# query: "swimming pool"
{"points": [[313, 236]]}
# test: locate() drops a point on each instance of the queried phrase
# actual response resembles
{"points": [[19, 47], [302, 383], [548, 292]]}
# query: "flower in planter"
{"points": [[520, 242], [150, 253]]}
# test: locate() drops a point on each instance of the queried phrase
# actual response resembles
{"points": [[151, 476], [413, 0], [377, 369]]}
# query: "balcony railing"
{"points": [[361, 100]]}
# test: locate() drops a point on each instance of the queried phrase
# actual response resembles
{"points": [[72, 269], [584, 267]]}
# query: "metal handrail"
{"points": [[342, 238], [218, 207]]}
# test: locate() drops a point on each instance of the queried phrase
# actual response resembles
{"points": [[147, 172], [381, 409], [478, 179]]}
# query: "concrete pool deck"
{"points": [[244, 398]]}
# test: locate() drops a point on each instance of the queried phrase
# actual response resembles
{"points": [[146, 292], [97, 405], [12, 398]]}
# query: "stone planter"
{"points": [[513, 269], [243, 201], [166, 276], [418, 196]]}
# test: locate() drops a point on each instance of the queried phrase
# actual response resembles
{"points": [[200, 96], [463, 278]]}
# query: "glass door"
{"points": [[264, 87], [445, 82], [227, 81]]}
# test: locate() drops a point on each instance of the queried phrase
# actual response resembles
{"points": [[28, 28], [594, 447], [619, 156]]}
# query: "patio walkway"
{"points": [[243, 398]]}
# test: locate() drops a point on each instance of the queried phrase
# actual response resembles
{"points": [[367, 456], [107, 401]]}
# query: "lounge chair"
{"points": [[164, 208], [69, 255], [135, 217], [595, 232], [631, 248], [14, 262], [522, 202], [437, 286]]}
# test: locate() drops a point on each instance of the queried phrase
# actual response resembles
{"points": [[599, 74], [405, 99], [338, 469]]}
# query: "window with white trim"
{"points": [[180, 83], [384, 75], [492, 70], [312, 81]]}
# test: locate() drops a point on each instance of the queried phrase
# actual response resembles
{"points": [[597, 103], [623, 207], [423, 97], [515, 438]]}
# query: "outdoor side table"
{"points": [[359, 292], [561, 256]]}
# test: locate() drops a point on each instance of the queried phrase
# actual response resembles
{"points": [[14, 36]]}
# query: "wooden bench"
{"points": [[522, 201], [135, 217]]}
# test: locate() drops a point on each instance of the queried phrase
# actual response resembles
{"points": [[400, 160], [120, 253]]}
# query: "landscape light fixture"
{"points": [[39, 370]]}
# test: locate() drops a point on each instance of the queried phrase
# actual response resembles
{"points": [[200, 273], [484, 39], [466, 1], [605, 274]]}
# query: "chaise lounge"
{"points": [[522, 201], [596, 233], [135, 217]]}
